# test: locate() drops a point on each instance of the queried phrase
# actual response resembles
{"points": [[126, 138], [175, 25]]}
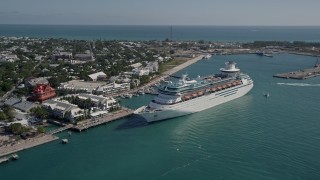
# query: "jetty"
{"points": [[301, 74], [124, 112]]}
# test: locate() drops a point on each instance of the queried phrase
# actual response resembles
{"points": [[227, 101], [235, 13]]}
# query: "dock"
{"points": [[69, 126], [301, 74], [102, 120]]}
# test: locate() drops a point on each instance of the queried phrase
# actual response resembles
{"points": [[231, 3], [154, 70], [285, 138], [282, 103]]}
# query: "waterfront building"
{"points": [[103, 103], [80, 85], [43, 92], [112, 88], [63, 109]]}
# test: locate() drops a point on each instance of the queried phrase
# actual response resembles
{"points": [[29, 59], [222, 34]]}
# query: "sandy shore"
{"points": [[25, 144]]}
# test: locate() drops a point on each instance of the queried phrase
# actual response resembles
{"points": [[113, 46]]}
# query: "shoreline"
{"points": [[26, 144], [43, 139]]}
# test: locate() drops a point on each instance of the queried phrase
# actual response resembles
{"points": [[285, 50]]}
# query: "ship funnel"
{"points": [[230, 68]]}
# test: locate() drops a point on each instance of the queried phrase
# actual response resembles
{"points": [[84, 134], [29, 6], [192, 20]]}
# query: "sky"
{"points": [[161, 12]]}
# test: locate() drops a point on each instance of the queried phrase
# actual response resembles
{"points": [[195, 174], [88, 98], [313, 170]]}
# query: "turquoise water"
{"points": [[209, 33], [248, 138]]}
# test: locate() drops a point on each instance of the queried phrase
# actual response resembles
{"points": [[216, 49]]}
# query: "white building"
{"points": [[141, 71], [103, 103], [63, 109], [8, 58], [112, 88], [136, 65], [95, 76]]}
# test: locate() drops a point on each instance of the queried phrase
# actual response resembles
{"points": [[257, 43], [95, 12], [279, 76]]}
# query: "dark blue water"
{"points": [[208, 33], [251, 137]]}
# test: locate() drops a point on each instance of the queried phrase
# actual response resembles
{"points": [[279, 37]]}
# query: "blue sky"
{"points": [[161, 12]]}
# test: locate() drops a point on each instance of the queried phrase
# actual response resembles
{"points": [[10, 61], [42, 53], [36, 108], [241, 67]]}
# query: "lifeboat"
{"points": [[186, 97], [200, 93], [194, 95]]}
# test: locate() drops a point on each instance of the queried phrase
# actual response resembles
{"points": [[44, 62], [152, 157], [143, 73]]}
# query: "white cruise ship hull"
{"points": [[194, 105]]}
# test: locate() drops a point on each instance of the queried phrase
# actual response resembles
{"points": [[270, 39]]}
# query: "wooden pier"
{"points": [[60, 129], [301, 74], [104, 119]]}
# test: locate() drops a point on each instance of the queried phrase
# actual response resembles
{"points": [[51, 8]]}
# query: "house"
{"points": [[136, 65], [141, 71], [97, 76], [153, 67], [63, 109], [8, 58]]}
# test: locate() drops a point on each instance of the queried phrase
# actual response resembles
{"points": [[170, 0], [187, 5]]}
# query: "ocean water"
{"points": [[252, 137], [208, 33]]}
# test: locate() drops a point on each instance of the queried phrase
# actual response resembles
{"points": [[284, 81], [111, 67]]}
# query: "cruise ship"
{"points": [[186, 96]]}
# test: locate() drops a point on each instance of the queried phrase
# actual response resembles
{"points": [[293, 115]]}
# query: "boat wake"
{"points": [[299, 84]]}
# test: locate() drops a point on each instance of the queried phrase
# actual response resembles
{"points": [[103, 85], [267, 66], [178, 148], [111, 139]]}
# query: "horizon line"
{"points": [[160, 25]]}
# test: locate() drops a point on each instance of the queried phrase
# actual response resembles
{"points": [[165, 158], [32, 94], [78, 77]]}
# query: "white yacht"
{"points": [[185, 96]]}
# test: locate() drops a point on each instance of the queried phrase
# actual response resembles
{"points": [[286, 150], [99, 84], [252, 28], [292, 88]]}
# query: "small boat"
{"points": [[65, 141], [268, 55], [14, 157], [128, 96], [206, 57], [4, 160], [140, 91], [266, 95]]}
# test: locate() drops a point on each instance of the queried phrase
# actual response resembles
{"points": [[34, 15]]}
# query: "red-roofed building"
{"points": [[43, 92]]}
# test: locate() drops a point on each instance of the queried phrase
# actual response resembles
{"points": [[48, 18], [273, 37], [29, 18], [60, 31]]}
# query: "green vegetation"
{"points": [[171, 63], [39, 112], [41, 129], [83, 104], [286, 44], [7, 114], [18, 129]]}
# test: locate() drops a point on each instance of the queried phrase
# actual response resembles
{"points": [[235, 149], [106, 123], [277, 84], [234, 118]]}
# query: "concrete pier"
{"points": [[104, 119], [26, 144], [301, 74]]}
